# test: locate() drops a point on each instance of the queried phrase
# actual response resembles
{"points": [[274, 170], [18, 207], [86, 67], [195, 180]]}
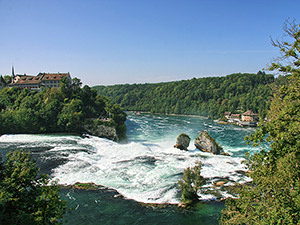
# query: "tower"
{"points": [[12, 74], [13, 71]]}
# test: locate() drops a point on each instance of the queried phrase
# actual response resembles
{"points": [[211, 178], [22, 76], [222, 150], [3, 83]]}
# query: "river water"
{"points": [[146, 169]]}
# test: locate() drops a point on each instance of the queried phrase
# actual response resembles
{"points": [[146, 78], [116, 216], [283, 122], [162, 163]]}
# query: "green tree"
{"points": [[190, 183], [26, 197], [274, 195], [76, 83], [64, 87], [119, 117], [7, 79], [71, 116]]}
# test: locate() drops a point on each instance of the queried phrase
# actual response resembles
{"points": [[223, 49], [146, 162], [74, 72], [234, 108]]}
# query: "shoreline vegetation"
{"points": [[209, 97], [67, 109]]}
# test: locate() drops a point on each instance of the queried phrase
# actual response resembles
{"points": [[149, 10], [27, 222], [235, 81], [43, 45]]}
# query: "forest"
{"points": [[210, 96], [56, 110]]}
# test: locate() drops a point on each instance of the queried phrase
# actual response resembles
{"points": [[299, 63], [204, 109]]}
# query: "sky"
{"points": [[104, 42]]}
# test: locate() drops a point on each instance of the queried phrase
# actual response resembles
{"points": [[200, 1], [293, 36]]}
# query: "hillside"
{"points": [[67, 109], [210, 96]]}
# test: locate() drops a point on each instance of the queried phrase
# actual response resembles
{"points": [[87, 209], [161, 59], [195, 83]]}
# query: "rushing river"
{"points": [[146, 169]]}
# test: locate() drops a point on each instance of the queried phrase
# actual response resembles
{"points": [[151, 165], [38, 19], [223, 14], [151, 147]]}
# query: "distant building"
{"points": [[247, 119], [231, 117], [2, 83], [25, 81], [53, 79], [249, 116], [47, 80]]}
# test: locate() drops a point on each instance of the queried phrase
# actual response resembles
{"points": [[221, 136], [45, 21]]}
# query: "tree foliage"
{"points": [[63, 109], [211, 96], [274, 195], [25, 196], [190, 183]]}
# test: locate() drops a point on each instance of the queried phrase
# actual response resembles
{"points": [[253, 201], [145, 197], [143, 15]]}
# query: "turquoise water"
{"points": [[101, 207], [146, 169]]}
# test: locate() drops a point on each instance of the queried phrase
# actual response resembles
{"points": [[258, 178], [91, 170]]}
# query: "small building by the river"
{"points": [[247, 119], [249, 116]]}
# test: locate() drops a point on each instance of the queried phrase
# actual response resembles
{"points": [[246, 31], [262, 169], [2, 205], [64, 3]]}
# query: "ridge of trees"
{"points": [[55, 110], [210, 96]]}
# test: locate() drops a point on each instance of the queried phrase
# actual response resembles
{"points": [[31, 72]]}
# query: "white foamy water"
{"points": [[145, 169], [143, 172]]}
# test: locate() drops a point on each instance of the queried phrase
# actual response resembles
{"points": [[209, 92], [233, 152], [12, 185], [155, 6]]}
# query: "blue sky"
{"points": [[139, 41]]}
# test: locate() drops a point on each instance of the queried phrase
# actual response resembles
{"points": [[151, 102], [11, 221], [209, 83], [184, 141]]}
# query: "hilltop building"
{"points": [[46, 80]]}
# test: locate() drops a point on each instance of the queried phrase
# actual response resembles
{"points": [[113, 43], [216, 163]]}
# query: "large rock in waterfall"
{"points": [[206, 143], [101, 129], [183, 142]]}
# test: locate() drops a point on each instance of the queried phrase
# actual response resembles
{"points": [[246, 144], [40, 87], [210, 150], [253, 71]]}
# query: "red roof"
{"points": [[29, 79], [53, 76]]}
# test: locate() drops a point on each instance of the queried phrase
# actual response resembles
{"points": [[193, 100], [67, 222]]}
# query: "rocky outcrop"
{"points": [[101, 130], [206, 143], [183, 142], [105, 132]]}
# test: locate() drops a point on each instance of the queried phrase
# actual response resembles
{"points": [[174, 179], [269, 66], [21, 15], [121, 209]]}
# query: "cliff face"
{"points": [[103, 130]]}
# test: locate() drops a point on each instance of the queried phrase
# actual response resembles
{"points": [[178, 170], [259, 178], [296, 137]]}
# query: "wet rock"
{"points": [[206, 143], [183, 142], [102, 131]]}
